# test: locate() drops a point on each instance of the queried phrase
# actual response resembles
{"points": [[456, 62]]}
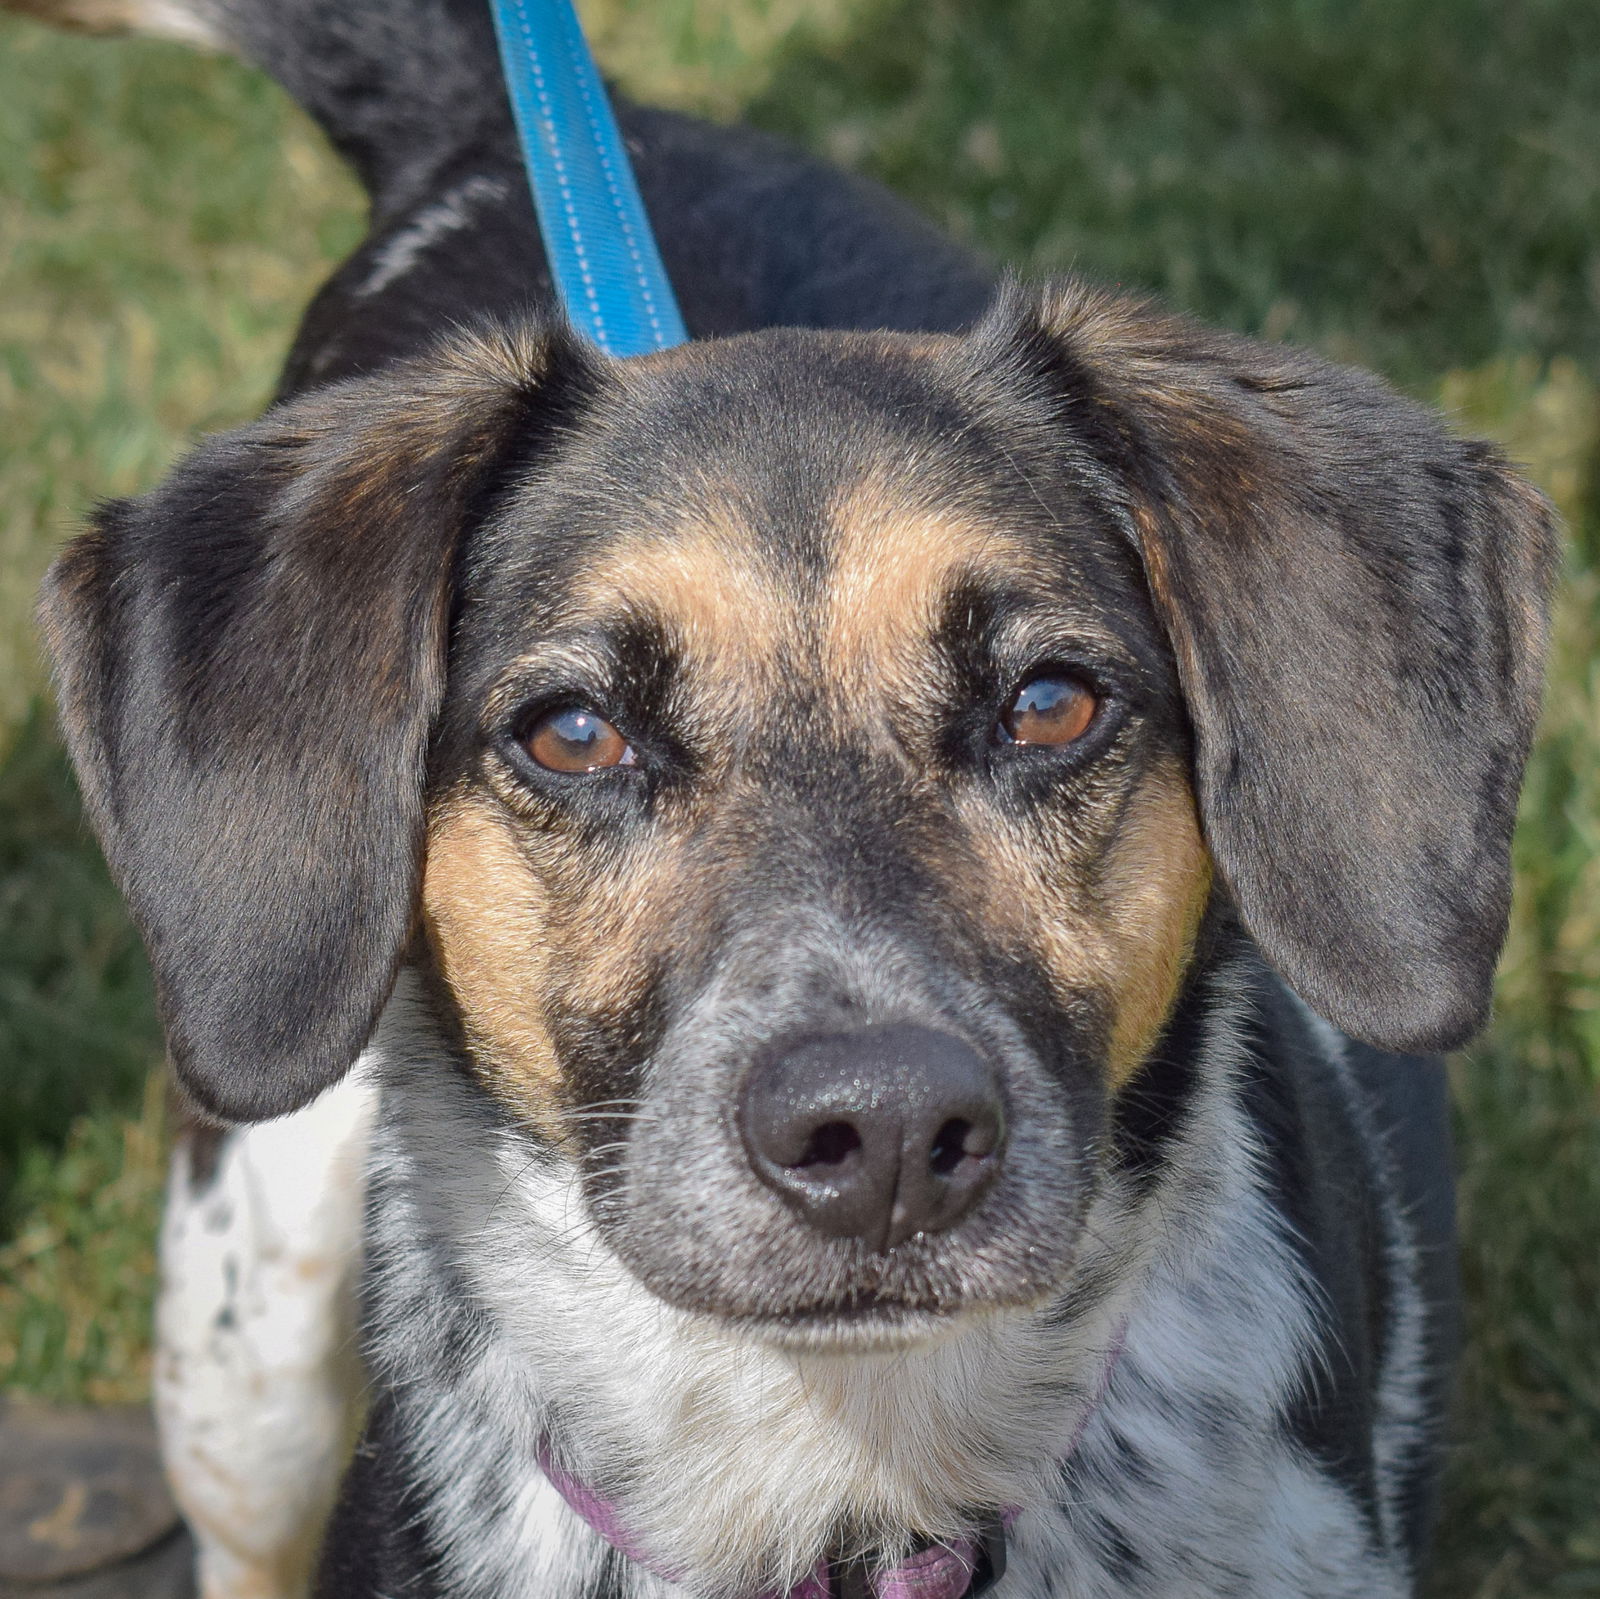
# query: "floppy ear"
{"points": [[249, 661], [1357, 605]]}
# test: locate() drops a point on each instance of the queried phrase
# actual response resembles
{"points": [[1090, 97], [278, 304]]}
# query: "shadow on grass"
{"points": [[1522, 1514], [1415, 186], [77, 1017]]}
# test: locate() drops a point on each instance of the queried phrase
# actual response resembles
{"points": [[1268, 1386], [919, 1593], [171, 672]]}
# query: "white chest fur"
{"points": [[738, 1460]]}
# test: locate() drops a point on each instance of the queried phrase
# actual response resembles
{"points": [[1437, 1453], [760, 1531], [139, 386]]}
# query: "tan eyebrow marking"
{"points": [[894, 561], [732, 617]]}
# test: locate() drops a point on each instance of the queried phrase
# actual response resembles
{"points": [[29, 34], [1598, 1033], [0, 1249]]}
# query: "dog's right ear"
{"points": [[249, 662]]}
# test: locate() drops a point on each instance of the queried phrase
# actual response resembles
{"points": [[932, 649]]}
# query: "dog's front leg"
{"points": [[257, 1383]]}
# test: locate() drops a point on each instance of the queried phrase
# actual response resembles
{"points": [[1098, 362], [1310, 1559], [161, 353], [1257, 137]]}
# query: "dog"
{"points": [[865, 907]]}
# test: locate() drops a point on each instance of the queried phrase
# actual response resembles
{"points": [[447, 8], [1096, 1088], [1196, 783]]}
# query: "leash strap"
{"points": [[603, 256]]}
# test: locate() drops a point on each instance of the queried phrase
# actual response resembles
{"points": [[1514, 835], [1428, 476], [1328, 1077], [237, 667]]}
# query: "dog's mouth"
{"points": [[772, 1279], [863, 1326]]}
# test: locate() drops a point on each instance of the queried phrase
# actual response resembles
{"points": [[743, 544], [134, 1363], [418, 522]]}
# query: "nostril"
{"points": [[950, 1146], [959, 1139], [830, 1145]]}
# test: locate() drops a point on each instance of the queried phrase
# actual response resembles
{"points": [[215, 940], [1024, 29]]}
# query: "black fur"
{"points": [[753, 233], [376, 1541]]}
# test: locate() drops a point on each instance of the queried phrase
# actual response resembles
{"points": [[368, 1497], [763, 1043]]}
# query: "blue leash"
{"points": [[602, 254]]}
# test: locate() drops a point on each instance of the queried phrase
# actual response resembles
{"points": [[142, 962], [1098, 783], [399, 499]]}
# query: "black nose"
{"points": [[876, 1134]]}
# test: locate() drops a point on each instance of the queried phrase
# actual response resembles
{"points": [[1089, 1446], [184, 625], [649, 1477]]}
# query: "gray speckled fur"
{"points": [[1187, 1480]]}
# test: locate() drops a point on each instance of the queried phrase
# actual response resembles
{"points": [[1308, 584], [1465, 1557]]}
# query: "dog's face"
{"points": [[801, 764], [807, 714]]}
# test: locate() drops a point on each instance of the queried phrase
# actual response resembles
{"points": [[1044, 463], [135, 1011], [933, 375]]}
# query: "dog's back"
{"points": [[754, 233]]}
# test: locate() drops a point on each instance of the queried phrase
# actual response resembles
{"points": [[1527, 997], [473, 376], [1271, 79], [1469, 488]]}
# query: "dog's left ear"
{"points": [[249, 662], [1357, 605]]}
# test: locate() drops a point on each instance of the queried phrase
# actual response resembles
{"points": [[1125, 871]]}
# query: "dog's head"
{"points": [[801, 764]]}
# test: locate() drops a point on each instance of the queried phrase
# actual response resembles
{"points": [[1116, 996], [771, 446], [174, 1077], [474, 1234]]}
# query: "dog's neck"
{"points": [[502, 1322], [959, 1569]]}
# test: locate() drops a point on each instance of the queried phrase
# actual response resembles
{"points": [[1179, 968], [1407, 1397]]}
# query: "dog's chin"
{"points": [[879, 1330]]}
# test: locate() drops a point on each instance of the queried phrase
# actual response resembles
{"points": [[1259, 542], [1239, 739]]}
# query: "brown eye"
{"points": [[1050, 710], [576, 740]]}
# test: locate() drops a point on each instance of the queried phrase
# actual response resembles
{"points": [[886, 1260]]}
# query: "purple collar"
{"points": [[961, 1569], [945, 1571]]}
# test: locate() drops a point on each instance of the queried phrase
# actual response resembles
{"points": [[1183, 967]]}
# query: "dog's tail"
{"points": [[398, 85]]}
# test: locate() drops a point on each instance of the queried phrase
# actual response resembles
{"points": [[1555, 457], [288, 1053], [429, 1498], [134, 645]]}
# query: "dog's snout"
{"points": [[876, 1134]]}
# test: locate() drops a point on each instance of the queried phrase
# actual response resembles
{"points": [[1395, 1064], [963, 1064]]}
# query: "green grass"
{"points": [[77, 1019], [1413, 184], [78, 1272]]}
